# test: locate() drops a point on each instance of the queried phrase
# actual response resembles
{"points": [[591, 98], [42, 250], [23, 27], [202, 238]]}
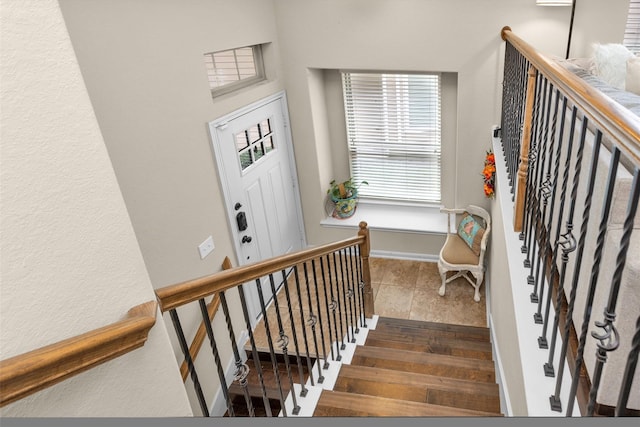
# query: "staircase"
{"points": [[407, 368]]}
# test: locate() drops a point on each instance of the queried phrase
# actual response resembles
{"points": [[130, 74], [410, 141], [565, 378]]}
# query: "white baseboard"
{"points": [[404, 255], [505, 401]]}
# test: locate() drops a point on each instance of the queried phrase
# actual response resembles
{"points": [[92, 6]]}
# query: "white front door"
{"points": [[255, 161]]}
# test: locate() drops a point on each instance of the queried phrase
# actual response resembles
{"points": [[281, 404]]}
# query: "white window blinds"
{"points": [[232, 69], [632, 30], [393, 129]]}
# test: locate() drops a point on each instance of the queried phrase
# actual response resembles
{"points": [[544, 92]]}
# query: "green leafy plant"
{"points": [[345, 189]]}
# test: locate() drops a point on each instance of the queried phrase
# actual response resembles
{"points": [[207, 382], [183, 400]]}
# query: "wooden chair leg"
{"points": [[443, 276], [479, 277]]}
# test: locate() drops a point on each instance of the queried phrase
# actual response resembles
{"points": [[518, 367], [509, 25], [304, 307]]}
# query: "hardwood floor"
{"points": [[386, 380], [428, 355]]}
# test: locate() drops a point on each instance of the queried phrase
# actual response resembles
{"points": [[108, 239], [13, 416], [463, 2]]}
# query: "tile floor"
{"points": [[401, 289], [409, 290]]}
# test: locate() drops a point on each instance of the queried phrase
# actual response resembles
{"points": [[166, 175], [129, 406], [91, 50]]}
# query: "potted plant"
{"points": [[344, 195]]}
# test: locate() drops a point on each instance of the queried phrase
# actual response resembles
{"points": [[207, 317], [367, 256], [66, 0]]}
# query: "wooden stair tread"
{"points": [[338, 403], [426, 363], [431, 344], [398, 377], [407, 326], [480, 396]]}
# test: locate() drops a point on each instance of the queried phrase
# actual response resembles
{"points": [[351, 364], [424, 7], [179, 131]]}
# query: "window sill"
{"points": [[403, 219]]}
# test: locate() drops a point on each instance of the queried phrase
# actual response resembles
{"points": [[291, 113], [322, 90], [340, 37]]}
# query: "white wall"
{"points": [[142, 64], [70, 260], [460, 37]]}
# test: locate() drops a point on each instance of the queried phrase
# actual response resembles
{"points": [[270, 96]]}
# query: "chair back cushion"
{"points": [[471, 231]]}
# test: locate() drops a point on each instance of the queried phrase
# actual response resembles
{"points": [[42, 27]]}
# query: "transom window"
{"points": [[254, 143], [394, 134], [232, 69]]}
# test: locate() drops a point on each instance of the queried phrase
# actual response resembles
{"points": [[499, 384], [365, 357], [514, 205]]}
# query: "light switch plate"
{"points": [[206, 247]]}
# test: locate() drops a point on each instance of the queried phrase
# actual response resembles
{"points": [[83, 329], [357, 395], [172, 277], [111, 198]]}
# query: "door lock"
{"points": [[246, 239], [241, 219]]}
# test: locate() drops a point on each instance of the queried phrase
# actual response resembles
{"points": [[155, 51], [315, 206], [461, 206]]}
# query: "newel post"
{"points": [[521, 180], [365, 248]]}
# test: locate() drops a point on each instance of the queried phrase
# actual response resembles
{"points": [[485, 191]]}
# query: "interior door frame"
{"points": [[221, 122]]}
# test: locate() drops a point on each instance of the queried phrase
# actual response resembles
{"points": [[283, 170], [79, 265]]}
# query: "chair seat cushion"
{"points": [[456, 251]]}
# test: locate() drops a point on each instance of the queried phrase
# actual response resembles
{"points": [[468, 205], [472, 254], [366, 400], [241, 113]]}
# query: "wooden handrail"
{"points": [[174, 296], [196, 344], [30, 372], [609, 116]]}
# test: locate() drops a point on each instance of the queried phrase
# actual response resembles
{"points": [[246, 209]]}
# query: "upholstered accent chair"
{"points": [[463, 251]]}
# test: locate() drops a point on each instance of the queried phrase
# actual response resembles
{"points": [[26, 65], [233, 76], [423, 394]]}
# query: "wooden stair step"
{"points": [[479, 396], [431, 344], [420, 328], [341, 404], [425, 363], [269, 377], [240, 408]]}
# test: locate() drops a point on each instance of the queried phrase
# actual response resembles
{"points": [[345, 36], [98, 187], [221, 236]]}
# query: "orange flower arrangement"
{"points": [[489, 174]]}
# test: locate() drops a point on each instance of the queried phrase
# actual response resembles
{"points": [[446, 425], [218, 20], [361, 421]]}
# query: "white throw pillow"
{"points": [[633, 75], [611, 63]]}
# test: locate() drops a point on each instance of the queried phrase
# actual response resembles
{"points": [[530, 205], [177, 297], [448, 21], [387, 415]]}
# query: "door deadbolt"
{"points": [[246, 239]]}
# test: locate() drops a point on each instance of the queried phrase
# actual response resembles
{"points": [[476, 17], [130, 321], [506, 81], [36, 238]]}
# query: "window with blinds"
{"points": [[229, 70], [632, 30], [393, 129]]}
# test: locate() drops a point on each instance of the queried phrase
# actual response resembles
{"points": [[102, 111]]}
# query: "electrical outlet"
{"points": [[206, 247]]}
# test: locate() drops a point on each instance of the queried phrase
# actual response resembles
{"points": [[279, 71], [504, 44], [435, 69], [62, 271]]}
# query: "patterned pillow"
{"points": [[471, 232]]}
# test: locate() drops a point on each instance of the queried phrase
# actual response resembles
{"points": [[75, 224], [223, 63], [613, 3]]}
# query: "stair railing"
{"points": [[322, 297], [33, 371], [559, 134]]}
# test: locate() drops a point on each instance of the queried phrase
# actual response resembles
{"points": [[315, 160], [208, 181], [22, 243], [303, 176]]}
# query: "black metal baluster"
{"points": [[595, 271], [568, 242], [609, 339], [242, 370], [508, 120], [542, 340], [313, 320], [216, 354], [283, 342], [272, 353], [545, 193], [521, 93], [353, 288], [347, 296], [303, 324], [556, 404], [303, 390], [538, 191], [254, 351], [341, 312], [629, 372], [187, 357], [330, 305], [334, 306], [360, 286]]}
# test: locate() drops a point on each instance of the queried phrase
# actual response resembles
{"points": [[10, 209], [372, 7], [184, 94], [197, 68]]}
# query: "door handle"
{"points": [[246, 239]]}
